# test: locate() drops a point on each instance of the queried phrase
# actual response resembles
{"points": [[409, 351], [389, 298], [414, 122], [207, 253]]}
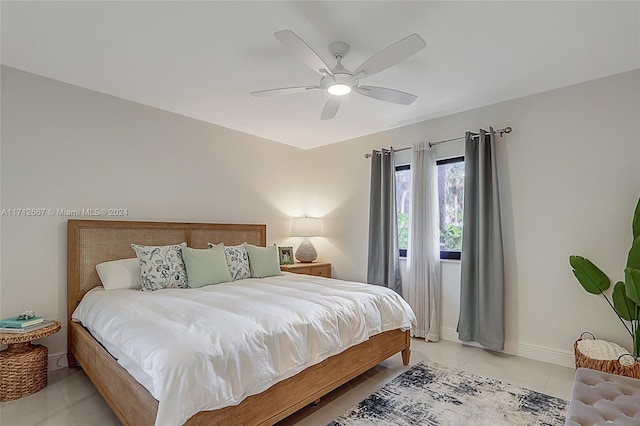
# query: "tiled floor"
{"points": [[71, 399]]}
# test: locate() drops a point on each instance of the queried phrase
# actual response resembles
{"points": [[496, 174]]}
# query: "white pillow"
{"points": [[117, 274]]}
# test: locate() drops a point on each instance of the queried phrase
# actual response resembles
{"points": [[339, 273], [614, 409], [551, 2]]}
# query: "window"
{"points": [[451, 201], [403, 195], [451, 206]]}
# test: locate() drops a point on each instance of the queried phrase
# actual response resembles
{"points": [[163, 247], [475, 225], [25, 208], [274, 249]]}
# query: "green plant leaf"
{"points": [[633, 259], [635, 225], [625, 307], [589, 275], [632, 284]]}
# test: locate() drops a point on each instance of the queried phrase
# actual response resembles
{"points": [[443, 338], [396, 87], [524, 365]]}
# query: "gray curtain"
{"points": [[482, 282], [383, 268]]}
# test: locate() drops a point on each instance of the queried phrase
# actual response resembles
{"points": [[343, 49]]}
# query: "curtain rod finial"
{"points": [[508, 129]]}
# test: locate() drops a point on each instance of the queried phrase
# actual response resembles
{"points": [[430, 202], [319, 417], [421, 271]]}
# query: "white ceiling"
{"points": [[201, 59]]}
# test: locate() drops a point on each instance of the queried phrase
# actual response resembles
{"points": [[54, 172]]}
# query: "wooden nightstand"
{"points": [[24, 365], [319, 269]]}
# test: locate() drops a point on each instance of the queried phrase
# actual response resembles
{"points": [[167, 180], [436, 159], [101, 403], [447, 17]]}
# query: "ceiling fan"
{"points": [[339, 81]]}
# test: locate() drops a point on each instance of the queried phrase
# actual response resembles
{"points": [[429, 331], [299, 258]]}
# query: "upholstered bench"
{"points": [[600, 398]]}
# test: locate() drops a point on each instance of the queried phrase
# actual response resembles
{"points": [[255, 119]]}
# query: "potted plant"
{"points": [[626, 294]]}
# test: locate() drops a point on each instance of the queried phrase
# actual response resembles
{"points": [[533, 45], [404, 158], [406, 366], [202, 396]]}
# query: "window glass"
{"points": [[403, 195], [451, 206]]}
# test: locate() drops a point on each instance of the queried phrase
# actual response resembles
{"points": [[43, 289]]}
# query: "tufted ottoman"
{"points": [[600, 398]]}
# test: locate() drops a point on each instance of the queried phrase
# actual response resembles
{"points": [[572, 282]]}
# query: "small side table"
{"points": [[319, 269], [24, 365]]}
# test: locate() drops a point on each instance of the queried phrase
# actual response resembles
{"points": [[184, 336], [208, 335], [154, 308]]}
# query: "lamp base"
{"points": [[306, 252]]}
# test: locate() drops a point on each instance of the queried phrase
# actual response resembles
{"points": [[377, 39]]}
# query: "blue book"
{"points": [[14, 322]]}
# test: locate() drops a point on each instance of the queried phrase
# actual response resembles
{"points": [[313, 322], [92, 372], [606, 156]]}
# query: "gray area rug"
{"points": [[433, 394]]}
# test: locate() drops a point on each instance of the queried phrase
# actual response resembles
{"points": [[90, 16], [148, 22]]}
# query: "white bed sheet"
{"points": [[242, 336]]}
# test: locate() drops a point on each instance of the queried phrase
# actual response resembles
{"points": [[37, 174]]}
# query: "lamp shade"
{"points": [[305, 227]]}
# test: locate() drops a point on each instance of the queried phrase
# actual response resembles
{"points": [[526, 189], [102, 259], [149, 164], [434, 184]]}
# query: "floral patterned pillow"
{"points": [[237, 261], [161, 266]]}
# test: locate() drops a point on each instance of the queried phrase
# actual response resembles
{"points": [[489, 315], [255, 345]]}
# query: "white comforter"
{"points": [[208, 348]]}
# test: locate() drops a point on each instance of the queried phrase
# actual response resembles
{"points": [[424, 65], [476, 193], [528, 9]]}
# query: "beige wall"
{"points": [[67, 147], [570, 179]]}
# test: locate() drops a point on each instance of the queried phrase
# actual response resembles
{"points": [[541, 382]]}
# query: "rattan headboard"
{"points": [[90, 242]]}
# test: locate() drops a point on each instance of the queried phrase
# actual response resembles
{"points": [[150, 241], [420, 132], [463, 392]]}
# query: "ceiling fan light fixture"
{"points": [[339, 89], [339, 81]]}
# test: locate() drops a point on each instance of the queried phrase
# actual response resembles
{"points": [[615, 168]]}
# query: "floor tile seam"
{"points": [[66, 398], [84, 399], [546, 383], [464, 364], [337, 407]]}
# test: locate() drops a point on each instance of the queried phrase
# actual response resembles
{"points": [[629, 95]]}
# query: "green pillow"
{"points": [[263, 261], [206, 266]]}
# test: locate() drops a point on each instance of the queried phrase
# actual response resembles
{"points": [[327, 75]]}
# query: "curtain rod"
{"points": [[499, 131]]}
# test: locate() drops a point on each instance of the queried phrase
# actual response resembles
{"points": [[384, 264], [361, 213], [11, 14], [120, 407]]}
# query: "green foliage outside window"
{"points": [[403, 230], [451, 238], [451, 195]]}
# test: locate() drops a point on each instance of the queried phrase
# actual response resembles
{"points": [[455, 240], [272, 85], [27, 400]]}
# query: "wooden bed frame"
{"points": [[90, 242]]}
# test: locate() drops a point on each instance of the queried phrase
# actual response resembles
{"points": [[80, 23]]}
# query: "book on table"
{"points": [[14, 322], [27, 329]]}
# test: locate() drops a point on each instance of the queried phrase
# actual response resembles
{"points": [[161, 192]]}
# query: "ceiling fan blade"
{"points": [[391, 55], [299, 48], [387, 95], [330, 108], [283, 91]]}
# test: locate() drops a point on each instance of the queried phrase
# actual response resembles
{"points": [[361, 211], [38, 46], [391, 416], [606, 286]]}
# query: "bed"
{"points": [[92, 242]]}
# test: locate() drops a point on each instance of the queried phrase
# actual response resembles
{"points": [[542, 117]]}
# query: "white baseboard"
{"points": [[57, 361], [539, 353]]}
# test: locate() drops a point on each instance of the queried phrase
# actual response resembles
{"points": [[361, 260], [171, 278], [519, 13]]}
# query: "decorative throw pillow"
{"points": [[237, 261], [161, 266], [206, 266], [117, 274], [263, 261]]}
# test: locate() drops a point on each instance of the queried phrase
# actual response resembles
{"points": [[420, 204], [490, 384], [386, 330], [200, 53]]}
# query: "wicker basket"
{"points": [[612, 366], [24, 371], [23, 366]]}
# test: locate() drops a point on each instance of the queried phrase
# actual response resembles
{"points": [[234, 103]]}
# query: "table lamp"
{"points": [[306, 227]]}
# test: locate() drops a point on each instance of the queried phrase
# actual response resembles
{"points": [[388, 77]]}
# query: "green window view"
{"points": [[403, 195], [451, 206]]}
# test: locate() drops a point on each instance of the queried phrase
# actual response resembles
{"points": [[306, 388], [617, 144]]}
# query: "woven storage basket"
{"points": [[23, 366], [23, 372], [613, 366]]}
